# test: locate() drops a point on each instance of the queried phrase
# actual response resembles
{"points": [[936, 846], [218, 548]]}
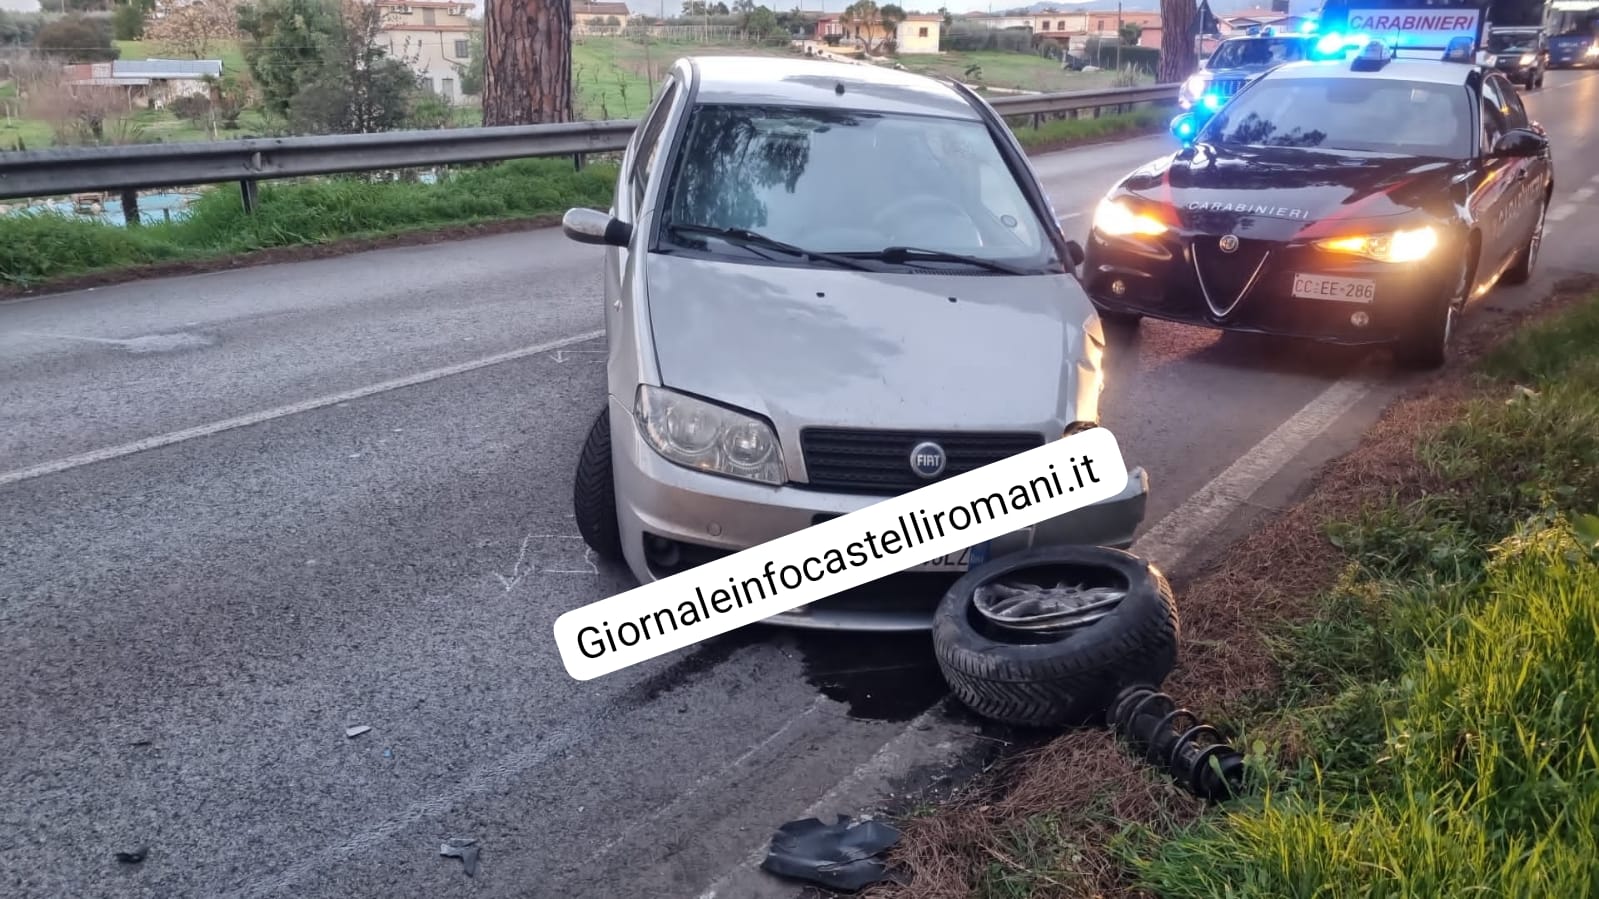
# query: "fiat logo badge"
{"points": [[1229, 243], [928, 460]]}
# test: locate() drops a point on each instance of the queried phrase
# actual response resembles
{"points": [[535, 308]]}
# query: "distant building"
{"points": [[919, 34], [156, 81], [433, 37], [599, 18]]}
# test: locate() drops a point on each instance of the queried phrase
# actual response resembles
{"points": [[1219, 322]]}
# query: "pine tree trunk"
{"points": [[527, 65], [1178, 58]]}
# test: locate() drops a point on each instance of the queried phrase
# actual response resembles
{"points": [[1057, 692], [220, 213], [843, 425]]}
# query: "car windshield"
{"points": [[1407, 118], [840, 181], [1257, 52], [1501, 42]]}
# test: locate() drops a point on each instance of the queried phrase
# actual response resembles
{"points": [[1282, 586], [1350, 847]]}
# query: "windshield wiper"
{"points": [[753, 239], [902, 255]]}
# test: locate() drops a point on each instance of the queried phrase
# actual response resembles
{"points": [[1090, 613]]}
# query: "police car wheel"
{"points": [[1427, 343], [1521, 271], [594, 492], [1035, 678]]}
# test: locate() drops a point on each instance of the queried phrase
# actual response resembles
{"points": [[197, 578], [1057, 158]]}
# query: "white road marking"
{"points": [[1581, 195], [1176, 535], [1167, 543], [253, 418], [1561, 212]]}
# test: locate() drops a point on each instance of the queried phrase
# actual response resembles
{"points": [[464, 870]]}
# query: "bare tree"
{"points": [[193, 28], [83, 113], [527, 71]]}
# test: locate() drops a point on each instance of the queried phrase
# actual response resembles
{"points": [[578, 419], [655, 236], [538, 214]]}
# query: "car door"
{"points": [[1491, 202], [638, 168], [1526, 175]]}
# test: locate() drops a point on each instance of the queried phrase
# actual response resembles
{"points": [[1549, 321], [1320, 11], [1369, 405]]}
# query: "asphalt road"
{"points": [[245, 511]]}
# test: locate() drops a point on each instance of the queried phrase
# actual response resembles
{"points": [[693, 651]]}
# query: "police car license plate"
{"points": [[1323, 287], [964, 560]]}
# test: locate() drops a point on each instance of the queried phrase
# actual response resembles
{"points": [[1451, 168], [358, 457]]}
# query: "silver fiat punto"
{"points": [[827, 284]]}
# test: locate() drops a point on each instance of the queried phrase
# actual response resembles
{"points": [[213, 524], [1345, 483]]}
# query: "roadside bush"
{"points": [[78, 38], [190, 107], [127, 23], [967, 37]]}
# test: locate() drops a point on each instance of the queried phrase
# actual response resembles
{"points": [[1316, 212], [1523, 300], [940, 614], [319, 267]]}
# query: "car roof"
{"points": [[1429, 71], [779, 81]]}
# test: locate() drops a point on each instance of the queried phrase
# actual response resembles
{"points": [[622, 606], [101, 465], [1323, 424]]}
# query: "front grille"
{"points": [[1225, 277], [879, 461], [1225, 87]]}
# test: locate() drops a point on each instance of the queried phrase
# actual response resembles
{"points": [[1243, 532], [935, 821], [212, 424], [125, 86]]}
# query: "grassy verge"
{"points": [[37, 248], [1055, 134], [1452, 677], [1411, 656]]}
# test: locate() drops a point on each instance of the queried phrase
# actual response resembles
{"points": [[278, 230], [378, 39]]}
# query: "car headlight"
{"points": [[1115, 219], [1409, 245], [1194, 86], [1593, 50], [708, 437], [1528, 59]]}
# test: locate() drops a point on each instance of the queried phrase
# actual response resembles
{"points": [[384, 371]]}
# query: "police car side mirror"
{"points": [[1520, 144], [595, 227]]}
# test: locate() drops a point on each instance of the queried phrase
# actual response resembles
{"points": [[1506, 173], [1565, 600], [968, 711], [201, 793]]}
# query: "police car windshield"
{"points": [[1501, 41], [1257, 52], [1406, 118]]}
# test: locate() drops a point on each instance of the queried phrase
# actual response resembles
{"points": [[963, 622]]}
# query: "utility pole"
{"points": [[1118, 37]]}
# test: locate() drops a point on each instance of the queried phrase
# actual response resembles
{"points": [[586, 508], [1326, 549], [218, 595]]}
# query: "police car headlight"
{"points": [[1194, 86], [1115, 219], [1528, 59], [708, 437], [1409, 245], [1593, 50]]}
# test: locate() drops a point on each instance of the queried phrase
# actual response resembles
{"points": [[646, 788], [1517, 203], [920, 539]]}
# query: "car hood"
{"points": [[1277, 193], [816, 346]]}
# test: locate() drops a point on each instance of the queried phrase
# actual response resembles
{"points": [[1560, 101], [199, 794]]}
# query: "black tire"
{"points": [[1527, 259], [1429, 341], [594, 492], [1069, 680], [1119, 321]]}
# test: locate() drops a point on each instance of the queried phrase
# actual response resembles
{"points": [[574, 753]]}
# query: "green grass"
{"points": [[33, 249], [1449, 688], [1058, 132], [1017, 71]]}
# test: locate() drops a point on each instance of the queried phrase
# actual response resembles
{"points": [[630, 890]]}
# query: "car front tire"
{"points": [[594, 492], [1527, 259], [1051, 681]]}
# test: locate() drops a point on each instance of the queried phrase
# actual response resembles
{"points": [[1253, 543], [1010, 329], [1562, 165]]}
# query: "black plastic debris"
{"points": [[134, 857], [840, 856], [1191, 751], [464, 849]]}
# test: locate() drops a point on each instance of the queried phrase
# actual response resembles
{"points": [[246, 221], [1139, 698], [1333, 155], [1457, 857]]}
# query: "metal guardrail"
{"points": [[129, 168]]}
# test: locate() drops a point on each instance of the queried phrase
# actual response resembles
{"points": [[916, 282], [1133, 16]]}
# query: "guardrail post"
{"points": [[577, 161], [250, 193], [130, 208]]}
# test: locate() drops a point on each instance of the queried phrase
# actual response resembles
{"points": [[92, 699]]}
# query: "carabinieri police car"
{"points": [[1363, 201]]}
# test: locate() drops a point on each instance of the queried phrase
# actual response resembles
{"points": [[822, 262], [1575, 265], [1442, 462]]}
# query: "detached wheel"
{"points": [[594, 492], [1035, 662]]}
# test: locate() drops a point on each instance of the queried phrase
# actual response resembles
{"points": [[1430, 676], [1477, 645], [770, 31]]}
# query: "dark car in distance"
{"points": [[1362, 202], [1519, 54]]}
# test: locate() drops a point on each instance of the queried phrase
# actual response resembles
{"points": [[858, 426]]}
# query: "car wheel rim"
{"points": [[1537, 237], [1449, 329]]}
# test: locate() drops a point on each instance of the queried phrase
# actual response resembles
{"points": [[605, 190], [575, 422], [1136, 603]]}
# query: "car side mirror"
{"points": [[595, 227], [1184, 126], [1520, 144], [1074, 251]]}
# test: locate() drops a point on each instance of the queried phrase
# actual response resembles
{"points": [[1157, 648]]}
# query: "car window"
{"points": [[1354, 114], [649, 141], [845, 181], [1494, 123], [1510, 103]]}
